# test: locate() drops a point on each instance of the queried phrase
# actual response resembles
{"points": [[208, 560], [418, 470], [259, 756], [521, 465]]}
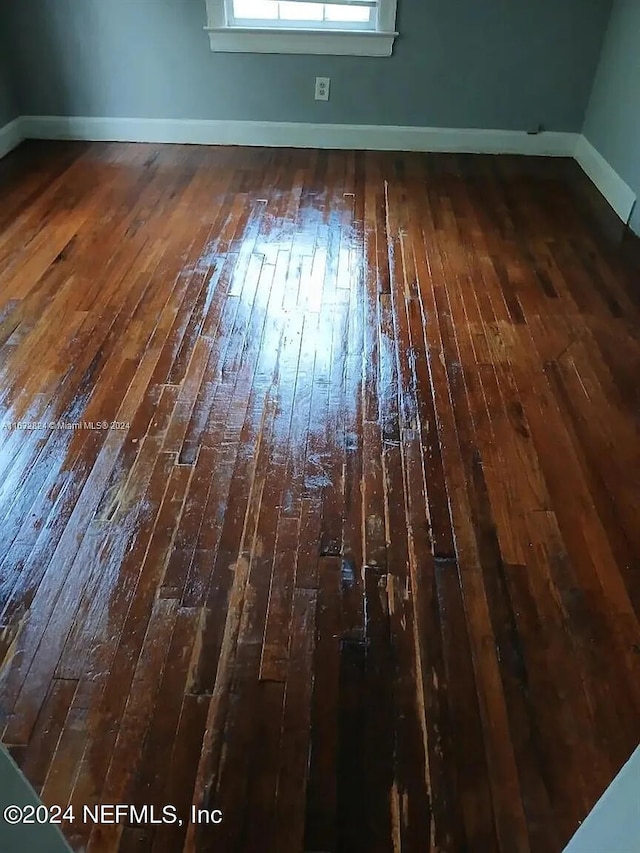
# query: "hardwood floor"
{"points": [[356, 559]]}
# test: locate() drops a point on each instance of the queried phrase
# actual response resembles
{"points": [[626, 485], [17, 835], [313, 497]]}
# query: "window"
{"points": [[340, 27]]}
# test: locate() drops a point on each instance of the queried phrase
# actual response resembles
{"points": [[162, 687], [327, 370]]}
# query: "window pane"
{"points": [[347, 13], [301, 11], [256, 9], [282, 10]]}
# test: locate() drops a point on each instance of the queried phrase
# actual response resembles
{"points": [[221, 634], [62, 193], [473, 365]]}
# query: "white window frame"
{"points": [[227, 37]]}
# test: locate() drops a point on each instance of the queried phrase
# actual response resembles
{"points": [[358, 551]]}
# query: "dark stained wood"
{"points": [[359, 564]]}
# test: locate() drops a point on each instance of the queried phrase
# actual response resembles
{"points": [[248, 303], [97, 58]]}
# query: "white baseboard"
{"points": [[10, 136], [620, 196], [300, 135], [337, 136]]}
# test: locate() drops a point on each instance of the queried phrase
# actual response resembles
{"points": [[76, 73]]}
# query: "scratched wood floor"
{"points": [[362, 569]]}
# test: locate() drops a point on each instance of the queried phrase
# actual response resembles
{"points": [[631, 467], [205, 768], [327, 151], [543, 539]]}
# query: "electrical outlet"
{"points": [[322, 88]]}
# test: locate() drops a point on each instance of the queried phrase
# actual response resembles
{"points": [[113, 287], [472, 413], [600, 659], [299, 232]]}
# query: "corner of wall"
{"points": [[596, 67], [8, 90], [610, 131]]}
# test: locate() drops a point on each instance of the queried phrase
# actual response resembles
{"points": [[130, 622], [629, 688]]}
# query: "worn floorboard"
{"points": [[319, 496]]}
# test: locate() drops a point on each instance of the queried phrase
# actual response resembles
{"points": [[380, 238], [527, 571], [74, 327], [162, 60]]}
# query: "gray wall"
{"points": [[34, 838], [613, 118], [7, 109], [459, 63], [8, 106], [614, 822]]}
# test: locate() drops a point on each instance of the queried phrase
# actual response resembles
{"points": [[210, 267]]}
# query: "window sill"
{"points": [[327, 42]]}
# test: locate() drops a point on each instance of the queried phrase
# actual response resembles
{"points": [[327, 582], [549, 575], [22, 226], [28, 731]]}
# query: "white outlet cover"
{"points": [[322, 88]]}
